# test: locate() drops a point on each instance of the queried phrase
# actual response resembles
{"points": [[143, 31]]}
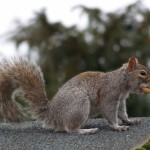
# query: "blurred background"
{"points": [[68, 37]]}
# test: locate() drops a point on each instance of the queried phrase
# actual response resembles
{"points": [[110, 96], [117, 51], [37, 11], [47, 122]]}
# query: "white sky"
{"points": [[57, 10]]}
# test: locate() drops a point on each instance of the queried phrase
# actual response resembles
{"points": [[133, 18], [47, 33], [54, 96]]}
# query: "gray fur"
{"points": [[83, 96]]}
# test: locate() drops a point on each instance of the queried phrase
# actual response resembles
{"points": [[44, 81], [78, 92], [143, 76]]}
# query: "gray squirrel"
{"points": [[77, 100]]}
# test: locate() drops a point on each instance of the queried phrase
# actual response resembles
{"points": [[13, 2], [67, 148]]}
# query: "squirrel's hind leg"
{"points": [[84, 131], [87, 131], [77, 117]]}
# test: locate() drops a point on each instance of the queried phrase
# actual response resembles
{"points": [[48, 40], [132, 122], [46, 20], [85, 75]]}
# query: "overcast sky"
{"points": [[57, 10]]}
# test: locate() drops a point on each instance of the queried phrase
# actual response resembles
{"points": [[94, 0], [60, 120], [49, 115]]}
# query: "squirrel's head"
{"points": [[138, 76]]}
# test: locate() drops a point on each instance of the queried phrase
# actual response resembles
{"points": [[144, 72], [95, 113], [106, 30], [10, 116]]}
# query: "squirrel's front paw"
{"points": [[131, 121], [119, 128]]}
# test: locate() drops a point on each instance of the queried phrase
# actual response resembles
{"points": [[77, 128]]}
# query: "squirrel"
{"points": [[77, 100]]}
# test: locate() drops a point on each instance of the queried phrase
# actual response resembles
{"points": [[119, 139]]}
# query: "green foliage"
{"points": [[146, 146], [138, 105], [107, 42]]}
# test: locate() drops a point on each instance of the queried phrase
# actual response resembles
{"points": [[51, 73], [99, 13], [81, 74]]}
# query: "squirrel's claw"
{"points": [[131, 121], [119, 128]]}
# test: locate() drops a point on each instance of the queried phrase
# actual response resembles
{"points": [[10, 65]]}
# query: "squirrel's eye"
{"points": [[143, 73]]}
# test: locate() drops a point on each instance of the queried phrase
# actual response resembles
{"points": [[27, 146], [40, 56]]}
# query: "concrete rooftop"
{"points": [[31, 136]]}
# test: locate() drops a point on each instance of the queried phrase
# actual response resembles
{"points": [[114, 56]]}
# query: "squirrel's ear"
{"points": [[132, 63]]}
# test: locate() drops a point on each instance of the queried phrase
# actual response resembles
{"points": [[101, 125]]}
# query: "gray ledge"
{"points": [[31, 136]]}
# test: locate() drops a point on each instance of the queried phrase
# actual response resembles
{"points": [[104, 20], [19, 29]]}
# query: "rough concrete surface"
{"points": [[31, 136]]}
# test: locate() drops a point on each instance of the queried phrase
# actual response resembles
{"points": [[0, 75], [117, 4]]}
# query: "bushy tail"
{"points": [[26, 78]]}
